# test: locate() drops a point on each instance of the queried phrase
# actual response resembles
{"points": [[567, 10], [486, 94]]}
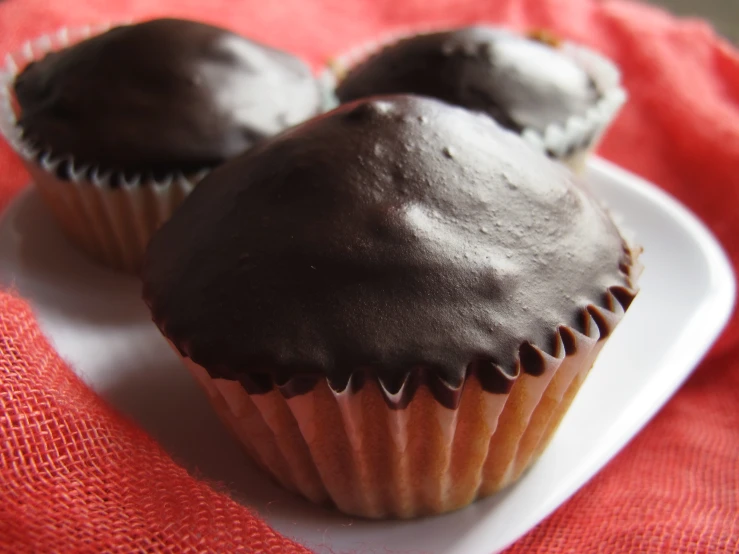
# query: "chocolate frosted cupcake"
{"points": [[558, 96], [117, 129], [393, 304]]}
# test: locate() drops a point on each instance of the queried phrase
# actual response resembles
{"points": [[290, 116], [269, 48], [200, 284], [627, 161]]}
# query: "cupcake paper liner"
{"points": [[569, 142], [109, 215], [360, 450]]}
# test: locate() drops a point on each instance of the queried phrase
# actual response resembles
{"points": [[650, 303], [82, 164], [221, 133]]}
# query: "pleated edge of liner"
{"points": [[79, 174], [559, 139], [599, 323]]}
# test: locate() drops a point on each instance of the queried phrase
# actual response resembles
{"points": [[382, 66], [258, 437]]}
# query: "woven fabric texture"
{"points": [[77, 477]]}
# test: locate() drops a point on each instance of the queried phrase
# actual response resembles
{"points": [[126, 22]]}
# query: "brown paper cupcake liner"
{"points": [[570, 142], [372, 453], [109, 215]]}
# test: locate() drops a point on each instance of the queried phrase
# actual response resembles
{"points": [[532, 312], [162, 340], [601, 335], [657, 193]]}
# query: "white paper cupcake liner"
{"points": [[369, 456], [569, 141], [110, 215]]}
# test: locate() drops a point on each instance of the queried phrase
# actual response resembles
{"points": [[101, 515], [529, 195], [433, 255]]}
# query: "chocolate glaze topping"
{"points": [[162, 96], [522, 82], [397, 236]]}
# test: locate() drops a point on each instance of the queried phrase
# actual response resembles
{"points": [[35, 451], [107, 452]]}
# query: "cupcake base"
{"points": [[353, 450], [111, 224]]}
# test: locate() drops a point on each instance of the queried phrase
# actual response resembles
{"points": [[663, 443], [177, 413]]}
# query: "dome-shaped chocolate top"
{"points": [[519, 81], [390, 234], [162, 96]]}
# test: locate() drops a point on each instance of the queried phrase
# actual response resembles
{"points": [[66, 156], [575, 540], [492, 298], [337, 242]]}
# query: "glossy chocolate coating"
{"points": [[162, 96], [519, 81], [397, 236]]}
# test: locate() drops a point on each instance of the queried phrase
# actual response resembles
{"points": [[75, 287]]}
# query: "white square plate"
{"points": [[98, 323]]}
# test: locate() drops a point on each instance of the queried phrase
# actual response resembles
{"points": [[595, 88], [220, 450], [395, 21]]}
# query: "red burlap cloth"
{"points": [[77, 477]]}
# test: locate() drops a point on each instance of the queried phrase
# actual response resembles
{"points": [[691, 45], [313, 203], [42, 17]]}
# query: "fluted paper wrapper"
{"points": [[367, 455], [569, 142], [110, 216]]}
